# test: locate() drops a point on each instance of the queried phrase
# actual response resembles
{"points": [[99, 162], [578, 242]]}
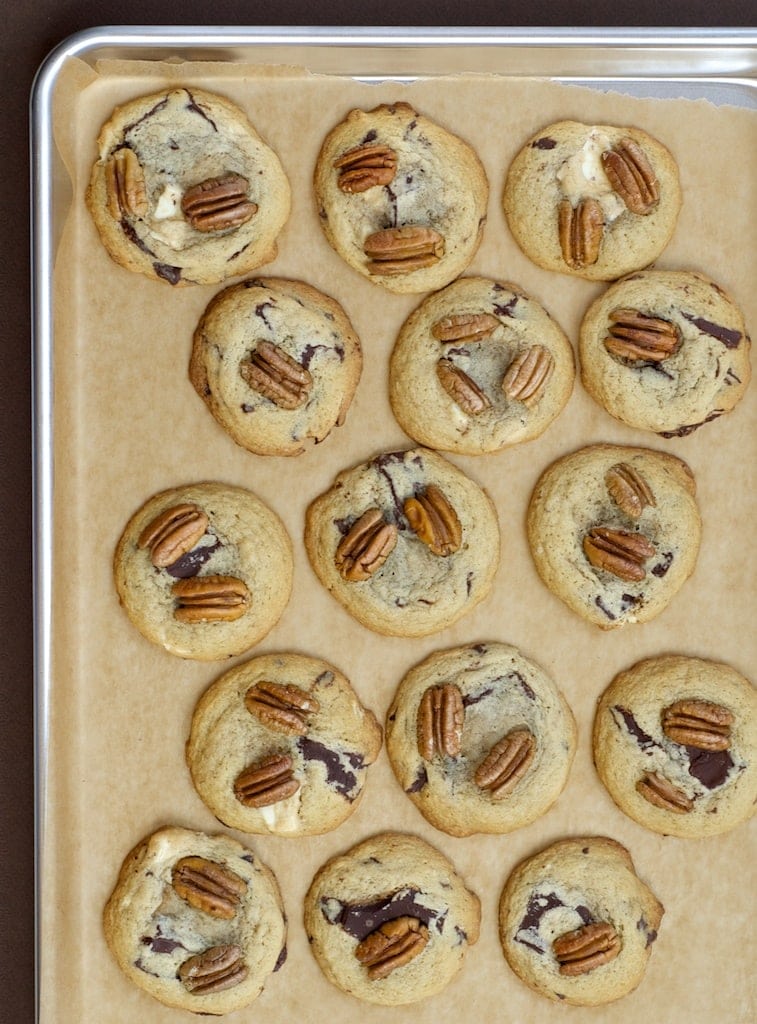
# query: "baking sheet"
{"points": [[127, 424]]}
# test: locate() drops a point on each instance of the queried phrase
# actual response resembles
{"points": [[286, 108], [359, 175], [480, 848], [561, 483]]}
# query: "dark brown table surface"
{"points": [[30, 31]]}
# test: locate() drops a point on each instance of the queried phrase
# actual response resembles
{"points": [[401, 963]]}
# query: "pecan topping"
{"points": [[125, 185], [272, 372], [392, 945], [281, 706], [439, 724], [580, 230], [173, 533], [218, 203], [266, 782], [208, 886], [461, 388], [631, 176], [664, 794], [464, 327], [527, 375], [210, 599], [638, 337], [628, 489], [589, 946], [434, 521], [366, 547], [214, 970], [401, 250], [506, 763], [698, 723], [365, 167], [618, 551]]}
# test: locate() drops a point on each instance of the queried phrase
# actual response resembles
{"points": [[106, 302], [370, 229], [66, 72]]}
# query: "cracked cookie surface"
{"points": [[414, 220], [675, 744], [665, 350], [286, 706], [614, 532], [196, 921], [184, 190], [576, 922], [509, 707], [277, 363], [392, 895]]}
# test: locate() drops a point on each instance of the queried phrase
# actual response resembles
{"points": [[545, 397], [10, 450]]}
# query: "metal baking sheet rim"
{"points": [[702, 58]]}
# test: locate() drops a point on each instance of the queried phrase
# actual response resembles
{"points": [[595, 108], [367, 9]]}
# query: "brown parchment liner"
{"points": [[127, 424]]}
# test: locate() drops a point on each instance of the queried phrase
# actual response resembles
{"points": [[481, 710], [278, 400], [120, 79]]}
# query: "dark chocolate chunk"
{"points": [[710, 767], [170, 274], [662, 567], [370, 136], [190, 563], [239, 252], [691, 427], [536, 908], [309, 351], [281, 959], [643, 739], [420, 780], [343, 780], [476, 698], [260, 311], [603, 607], [544, 143], [161, 944], [729, 337], [196, 109], [507, 308], [158, 106], [128, 229], [360, 919], [518, 678]]}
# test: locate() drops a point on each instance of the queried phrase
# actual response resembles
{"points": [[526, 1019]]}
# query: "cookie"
{"points": [[390, 920], [675, 743], [281, 745], [277, 363], [400, 198], [614, 532], [594, 201], [184, 190], [196, 921], [577, 924], [204, 570], [665, 350], [480, 738], [479, 366], [406, 542]]}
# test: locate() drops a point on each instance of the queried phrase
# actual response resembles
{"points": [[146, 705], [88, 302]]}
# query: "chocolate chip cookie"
{"points": [[277, 363], [204, 570], [196, 921], [390, 920], [576, 922], [614, 532], [406, 542], [184, 190], [480, 738], [593, 201], [479, 366], [675, 743], [665, 350], [400, 198], [281, 745]]}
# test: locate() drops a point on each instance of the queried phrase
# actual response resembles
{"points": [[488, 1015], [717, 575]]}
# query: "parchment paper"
{"points": [[128, 424]]}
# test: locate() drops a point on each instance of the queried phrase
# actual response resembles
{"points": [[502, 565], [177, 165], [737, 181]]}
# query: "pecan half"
{"points": [[618, 551], [217, 204], [629, 172], [394, 944], [638, 337], [208, 886], [662, 793], [585, 948], [173, 533], [461, 388], [214, 970], [580, 230], [366, 547], [464, 327], [125, 185], [439, 725], [266, 782], [527, 375], [628, 489], [434, 521], [698, 723], [210, 599], [272, 372], [281, 706], [365, 167], [506, 763], [402, 250]]}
